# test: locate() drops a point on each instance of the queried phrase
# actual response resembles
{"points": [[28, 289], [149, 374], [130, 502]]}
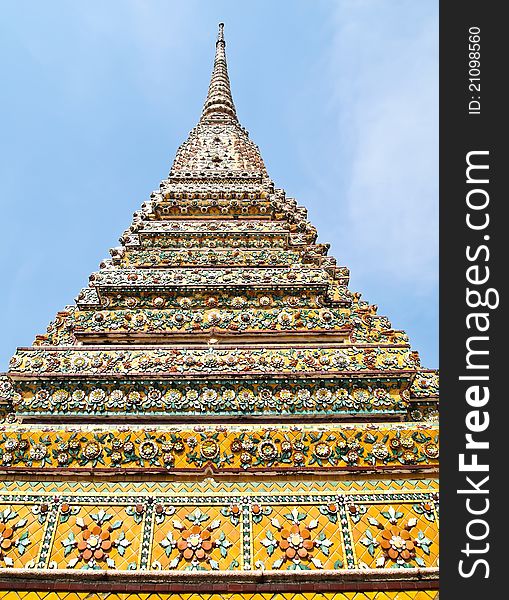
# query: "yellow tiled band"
{"points": [[222, 447], [263, 526]]}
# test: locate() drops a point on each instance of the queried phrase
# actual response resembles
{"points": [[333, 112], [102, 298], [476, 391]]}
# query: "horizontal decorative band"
{"points": [[310, 320], [193, 240], [203, 532], [171, 361], [351, 396], [374, 398], [220, 448], [193, 257], [241, 276], [419, 584], [199, 226]]}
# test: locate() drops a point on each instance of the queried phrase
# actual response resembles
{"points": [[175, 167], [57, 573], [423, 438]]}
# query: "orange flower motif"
{"points": [[95, 543], [9, 538], [397, 544], [195, 543], [6, 540], [296, 541]]}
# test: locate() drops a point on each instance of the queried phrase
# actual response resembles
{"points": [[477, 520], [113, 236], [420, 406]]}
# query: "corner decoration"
{"points": [[218, 411]]}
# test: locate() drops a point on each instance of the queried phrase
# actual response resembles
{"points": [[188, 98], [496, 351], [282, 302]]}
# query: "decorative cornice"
{"points": [[103, 361], [324, 583]]}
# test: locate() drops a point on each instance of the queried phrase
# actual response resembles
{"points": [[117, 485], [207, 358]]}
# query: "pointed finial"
{"points": [[219, 102], [218, 146]]}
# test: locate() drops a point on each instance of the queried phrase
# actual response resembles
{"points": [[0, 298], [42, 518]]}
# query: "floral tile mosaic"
{"points": [[222, 448], [198, 531]]}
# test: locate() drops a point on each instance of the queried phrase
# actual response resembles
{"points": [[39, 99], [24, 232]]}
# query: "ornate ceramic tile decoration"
{"points": [[222, 448], [218, 414]]}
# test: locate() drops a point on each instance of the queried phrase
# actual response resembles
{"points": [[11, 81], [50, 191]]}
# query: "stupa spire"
{"points": [[219, 102], [218, 144]]}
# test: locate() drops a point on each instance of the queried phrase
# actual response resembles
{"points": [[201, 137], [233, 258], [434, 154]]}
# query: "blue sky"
{"points": [[340, 95]]}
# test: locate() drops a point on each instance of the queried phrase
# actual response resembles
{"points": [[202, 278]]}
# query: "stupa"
{"points": [[218, 415]]}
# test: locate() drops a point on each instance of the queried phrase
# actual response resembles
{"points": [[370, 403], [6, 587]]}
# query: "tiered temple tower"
{"points": [[218, 413]]}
